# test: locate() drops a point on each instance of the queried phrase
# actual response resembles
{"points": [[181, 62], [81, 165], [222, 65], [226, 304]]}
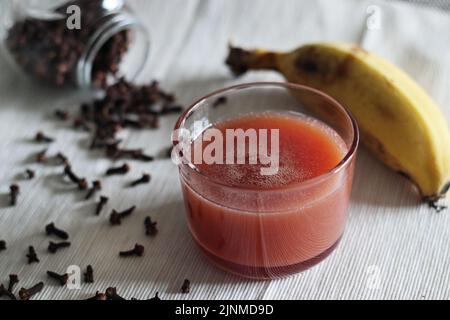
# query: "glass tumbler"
{"points": [[266, 233]]}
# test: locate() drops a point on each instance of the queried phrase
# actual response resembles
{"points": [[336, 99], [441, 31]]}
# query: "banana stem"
{"points": [[240, 60]]}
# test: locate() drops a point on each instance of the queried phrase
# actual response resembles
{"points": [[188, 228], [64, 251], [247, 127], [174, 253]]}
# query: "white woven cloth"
{"points": [[393, 248]]}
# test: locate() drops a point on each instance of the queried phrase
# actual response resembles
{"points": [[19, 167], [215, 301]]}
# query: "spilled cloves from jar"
{"points": [[32, 256], [51, 229], [89, 275], [150, 227], [42, 137], [101, 204], [55, 247], [30, 174], [137, 251], [96, 186], [145, 179], [14, 191], [61, 278], [116, 217], [27, 294]]}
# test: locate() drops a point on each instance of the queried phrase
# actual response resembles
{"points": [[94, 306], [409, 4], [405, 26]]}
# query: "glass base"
{"points": [[266, 273]]}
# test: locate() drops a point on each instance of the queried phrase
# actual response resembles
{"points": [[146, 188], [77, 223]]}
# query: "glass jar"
{"points": [[78, 43]]}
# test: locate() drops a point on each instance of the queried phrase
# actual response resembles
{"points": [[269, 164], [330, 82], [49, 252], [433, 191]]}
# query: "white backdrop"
{"points": [[390, 235]]}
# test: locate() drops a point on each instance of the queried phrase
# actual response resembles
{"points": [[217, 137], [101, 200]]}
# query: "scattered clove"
{"points": [[81, 182], [111, 294], [124, 169], [116, 217], [51, 229], [145, 179], [2, 245], [41, 137], [220, 101], [62, 115], [89, 275], [137, 251], [6, 292], [170, 109], [79, 123], [103, 201], [14, 191], [61, 278], [156, 297], [63, 159], [30, 174], [54, 247], [41, 156], [32, 256], [150, 227], [13, 280], [27, 294], [135, 154], [186, 288], [96, 186], [98, 143]]}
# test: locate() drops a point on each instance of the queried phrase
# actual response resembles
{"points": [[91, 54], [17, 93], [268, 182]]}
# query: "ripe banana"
{"points": [[398, 121]]}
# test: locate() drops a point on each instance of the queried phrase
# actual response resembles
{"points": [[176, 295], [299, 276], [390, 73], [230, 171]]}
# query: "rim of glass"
{"points": [[287, 85]]}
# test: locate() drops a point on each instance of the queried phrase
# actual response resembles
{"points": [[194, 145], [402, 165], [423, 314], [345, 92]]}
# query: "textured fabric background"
{"points": [[393, 248]]}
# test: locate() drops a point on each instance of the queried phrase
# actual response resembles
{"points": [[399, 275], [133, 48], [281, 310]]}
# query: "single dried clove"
{"points": [[2, 245], [96, 186], [27, 294], [137, 251], [186, 288], [61, 278], [6, 292], [51, 229], [124, 169], [80, 123], [150, 227], [220, 101], [156, 297], [111, 294], [145, 179], [63, 159], [89, 275], [62, 114], [41, 137], [13, 280], [41, 156], [116, 217], [81, 182], [54, 247], [103, 201], [170, 109], [32, 256], [135, 154], [14, 191], [30, 174]]}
